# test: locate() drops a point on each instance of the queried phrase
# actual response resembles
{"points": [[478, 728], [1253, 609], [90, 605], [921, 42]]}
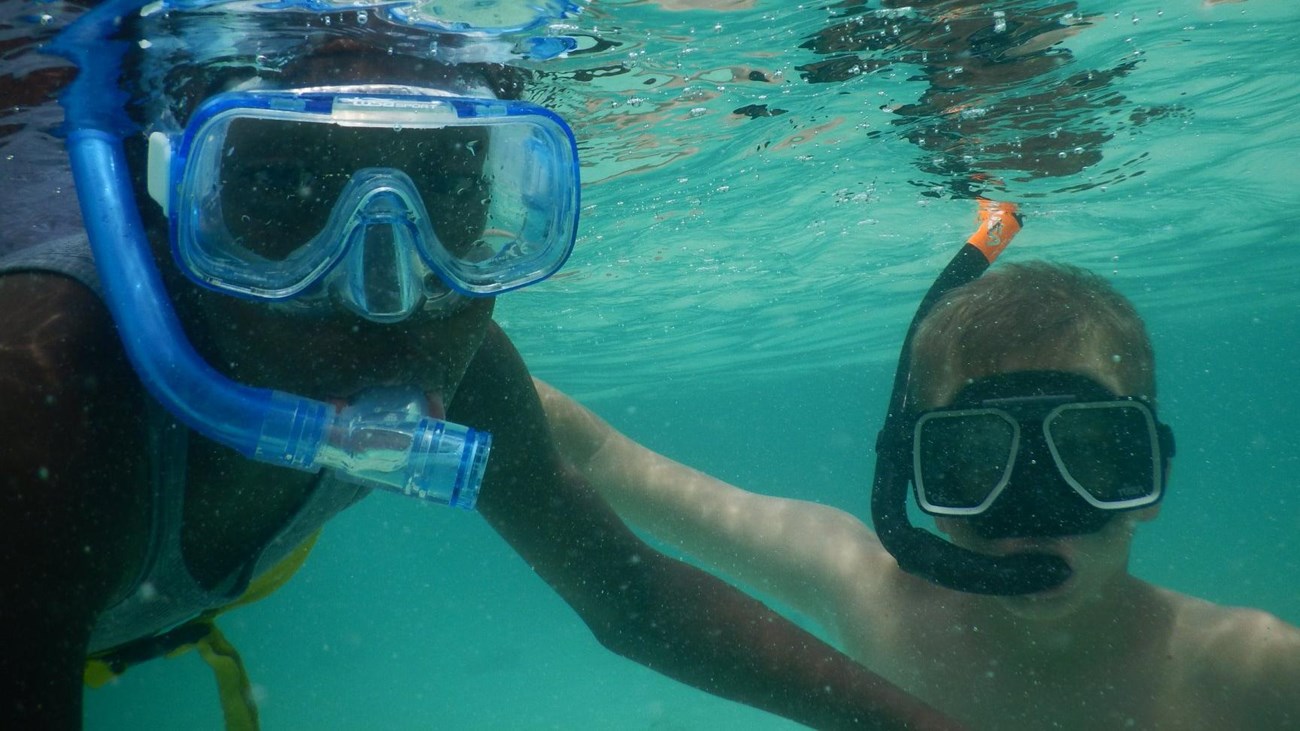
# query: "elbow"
{"points": [[629, 621], [627, 632]]}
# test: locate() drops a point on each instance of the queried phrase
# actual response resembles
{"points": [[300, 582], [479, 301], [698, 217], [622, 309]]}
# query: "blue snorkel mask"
{"points": [[386, 438], [386, 199]]}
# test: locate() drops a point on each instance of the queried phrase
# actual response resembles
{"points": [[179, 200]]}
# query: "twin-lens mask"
{"points": [[387, 199], [1024, 454], [1039, 454]]}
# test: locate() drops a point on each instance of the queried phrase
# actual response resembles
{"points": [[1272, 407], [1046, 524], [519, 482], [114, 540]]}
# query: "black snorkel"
{"points": [[918, 551]]}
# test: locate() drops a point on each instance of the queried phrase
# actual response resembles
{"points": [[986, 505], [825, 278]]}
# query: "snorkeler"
{"points": [[1024, 417], [282, 301]]}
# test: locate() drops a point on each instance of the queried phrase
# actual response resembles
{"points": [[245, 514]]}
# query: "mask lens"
{"points": [[963, 459], [1107, 451], [278, 182], [281, 179], [274, 181], [527, 181]]}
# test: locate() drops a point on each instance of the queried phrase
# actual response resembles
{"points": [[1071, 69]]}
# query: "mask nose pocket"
{"points": [[383, 275], [1038, 502]]}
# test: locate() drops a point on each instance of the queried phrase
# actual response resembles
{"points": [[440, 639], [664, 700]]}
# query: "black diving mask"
{"points": [[1010, 454], [1038, 454]]}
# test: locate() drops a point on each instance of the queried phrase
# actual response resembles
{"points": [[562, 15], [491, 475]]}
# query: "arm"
{"points": [[659, 612], [804, 554]]}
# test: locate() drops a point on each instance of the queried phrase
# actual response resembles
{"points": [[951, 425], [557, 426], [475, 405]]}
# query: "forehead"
{"points": [[345, 62], [938, 389]]}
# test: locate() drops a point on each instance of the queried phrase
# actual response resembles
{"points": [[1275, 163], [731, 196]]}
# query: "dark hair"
{"points": [[1027, 312], [169, 77]]}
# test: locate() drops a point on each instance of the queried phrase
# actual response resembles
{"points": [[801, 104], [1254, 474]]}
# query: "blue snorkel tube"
{"points": [[394, 446], [918, 551]]}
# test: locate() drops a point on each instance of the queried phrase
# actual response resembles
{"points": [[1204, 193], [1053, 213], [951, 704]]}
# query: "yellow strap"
{"points": [[236, 692], [274, 577], [98, 673]]}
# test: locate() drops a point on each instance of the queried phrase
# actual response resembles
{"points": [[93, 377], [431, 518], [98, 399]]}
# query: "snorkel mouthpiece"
{"points": [[387, 439]]}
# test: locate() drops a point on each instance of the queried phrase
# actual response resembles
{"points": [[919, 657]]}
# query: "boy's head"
{"points": [[1035, 428], [1032, 316]]}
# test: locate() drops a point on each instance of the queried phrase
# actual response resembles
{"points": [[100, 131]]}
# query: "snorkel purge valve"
{"points": [[387, 439], [917, 550]]}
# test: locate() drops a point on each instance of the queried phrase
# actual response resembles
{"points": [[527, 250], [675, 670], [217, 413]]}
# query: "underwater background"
{"points": [[769, 187]]}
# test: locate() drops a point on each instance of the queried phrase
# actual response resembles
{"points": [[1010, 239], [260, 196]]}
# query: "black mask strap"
{"points": [[917, 550]]}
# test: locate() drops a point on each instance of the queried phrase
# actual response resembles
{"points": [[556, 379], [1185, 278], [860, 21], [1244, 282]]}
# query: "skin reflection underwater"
{"points": [[355, 278]]}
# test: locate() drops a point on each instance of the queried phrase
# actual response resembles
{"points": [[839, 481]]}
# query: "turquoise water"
{"points": [[737, 298]]}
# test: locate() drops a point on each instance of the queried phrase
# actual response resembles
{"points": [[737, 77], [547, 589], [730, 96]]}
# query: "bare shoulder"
{"points": [[51, 314], [75, 509], [864, 578], [853, 550], [1243, 634], [1248, 658]]}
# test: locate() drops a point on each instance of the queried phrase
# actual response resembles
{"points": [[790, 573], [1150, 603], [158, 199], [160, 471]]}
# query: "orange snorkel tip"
{"points": [[999, 223]]}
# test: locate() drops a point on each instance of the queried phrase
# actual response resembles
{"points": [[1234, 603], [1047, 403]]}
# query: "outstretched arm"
{"points": [[659, 612], [804, 554]]}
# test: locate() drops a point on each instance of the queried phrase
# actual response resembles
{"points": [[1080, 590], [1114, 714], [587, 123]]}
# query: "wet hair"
{"points": [[332, 60], [1031, 312], [192, 56]]}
